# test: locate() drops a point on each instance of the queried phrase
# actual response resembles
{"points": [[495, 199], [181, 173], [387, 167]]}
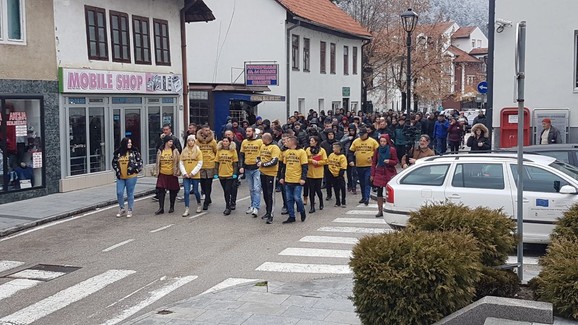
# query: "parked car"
{"points": [[490, 180], [565, 152]]}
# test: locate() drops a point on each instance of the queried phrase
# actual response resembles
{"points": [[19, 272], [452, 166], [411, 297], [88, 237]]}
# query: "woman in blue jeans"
{"points": [[190, 163], [127, 164]]}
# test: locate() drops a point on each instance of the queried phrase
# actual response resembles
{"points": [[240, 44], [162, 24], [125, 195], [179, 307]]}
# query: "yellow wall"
{"points": [[36, 60]]}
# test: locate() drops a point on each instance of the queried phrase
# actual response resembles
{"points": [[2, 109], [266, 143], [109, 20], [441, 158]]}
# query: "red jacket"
{"points": [[382, 175]]}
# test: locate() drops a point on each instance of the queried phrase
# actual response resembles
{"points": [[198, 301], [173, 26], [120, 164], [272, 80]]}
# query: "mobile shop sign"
{"points": [[123, 82], [261, 74]]}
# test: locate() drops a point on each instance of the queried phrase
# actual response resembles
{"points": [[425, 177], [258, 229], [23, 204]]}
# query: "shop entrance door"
{"points": [[127, 122]]}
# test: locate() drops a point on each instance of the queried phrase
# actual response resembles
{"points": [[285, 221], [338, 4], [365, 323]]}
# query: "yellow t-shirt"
{"points": [[226, 158], [363, 150], [123, 164], [312, 170], [166, 162], [251, 150], [268, 153], [336, 163], [209, 151], [189, 162], [293, 159]]}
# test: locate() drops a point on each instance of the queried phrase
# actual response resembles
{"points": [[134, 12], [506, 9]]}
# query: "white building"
{"points": [[551, 83], [315, 46]]}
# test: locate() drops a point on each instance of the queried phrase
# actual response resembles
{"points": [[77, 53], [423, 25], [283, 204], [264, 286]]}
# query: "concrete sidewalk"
{"points": [[20, 215]]}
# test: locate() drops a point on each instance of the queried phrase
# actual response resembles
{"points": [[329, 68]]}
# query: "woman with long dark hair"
{"points": [[167, 170], [127, 163], [317, 158], [383, 168]]}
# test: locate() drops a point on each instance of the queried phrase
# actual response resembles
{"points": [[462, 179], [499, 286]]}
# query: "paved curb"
{"points": [[67, 214]]}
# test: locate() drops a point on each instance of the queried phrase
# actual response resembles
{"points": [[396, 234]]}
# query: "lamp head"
{"points": [[409, 20]]}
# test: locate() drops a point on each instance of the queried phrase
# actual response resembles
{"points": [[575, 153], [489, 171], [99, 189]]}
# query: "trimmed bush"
{"points": [[496, 282], [492, 228], [558, 281], [414, 277], [567, 225]]}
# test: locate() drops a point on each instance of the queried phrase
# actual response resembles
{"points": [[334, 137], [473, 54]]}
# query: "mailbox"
{"points": [[509, 123]]}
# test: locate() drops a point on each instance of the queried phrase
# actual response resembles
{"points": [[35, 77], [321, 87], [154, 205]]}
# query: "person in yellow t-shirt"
{"points": [[208, 145], [190, 164], [294, 173], [167, 170], [268, 163], [337, 166], [127, 163], [317, 159], [227, 166], [363, 149], [249, 154]]}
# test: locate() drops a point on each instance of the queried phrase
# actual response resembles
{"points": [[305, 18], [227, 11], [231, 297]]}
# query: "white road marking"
{"points": [[10, 288], [230, 282], [316, 252], [527, 260], [369, 206], [154, 296], [134, 292], [7, 265], [361, 212], [303, 268], [330, 240], [65, 297], [117, 245], [161, 228], [243, 199], [361, 220], [37, 274], [197, 215], [356, 230]]}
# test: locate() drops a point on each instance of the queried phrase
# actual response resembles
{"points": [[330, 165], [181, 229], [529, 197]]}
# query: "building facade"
{"points": [[551, 82], [314, 51]]}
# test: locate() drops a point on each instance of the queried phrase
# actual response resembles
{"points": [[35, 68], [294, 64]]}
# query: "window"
{"points": [[162, 50], [346, 60], [323, 58], [479, 43], [473, 43], [332, 58], [539, 180], [11, 21], [354, 65], [306, 51], [198, 107], [486, 176], [295, 52], [470, 80], [433, 175], [141, 39], [21, 149], [96, 33], [119, 35]]}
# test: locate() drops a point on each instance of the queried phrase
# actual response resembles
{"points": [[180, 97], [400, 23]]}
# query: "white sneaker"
{"points": [[129, 214], [186, 212], [120, 213], [199, 208], [249, 211], [202, 196], [255, 212]]}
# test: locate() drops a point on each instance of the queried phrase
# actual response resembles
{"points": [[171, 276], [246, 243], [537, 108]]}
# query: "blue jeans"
{"points": [[363, 173], [254, 181], [441, 146], [187, 183], [129, 184], [293, 192]]}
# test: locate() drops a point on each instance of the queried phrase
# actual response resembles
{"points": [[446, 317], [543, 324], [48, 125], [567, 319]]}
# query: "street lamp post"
{"points": [[409, 21]]}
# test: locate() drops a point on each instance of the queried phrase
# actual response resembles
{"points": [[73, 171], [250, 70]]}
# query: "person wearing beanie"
{"points": [[346, 142], [337, 166], [190, 164], [549, 133], [167, 171], [327, 145]]}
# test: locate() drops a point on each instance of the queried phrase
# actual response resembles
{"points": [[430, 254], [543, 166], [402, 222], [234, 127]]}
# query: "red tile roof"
{"points": [[432, 30], [462, 56], [479, 51], [326, 14], [464, 32]]}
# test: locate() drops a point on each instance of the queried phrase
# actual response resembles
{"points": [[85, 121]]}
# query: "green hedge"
{"points": [[492, 228], [496, 282], [567, 225], [414, 277]]}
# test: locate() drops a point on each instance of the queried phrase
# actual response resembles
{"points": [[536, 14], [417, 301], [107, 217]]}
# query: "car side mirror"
{"points": [[567, 189]]}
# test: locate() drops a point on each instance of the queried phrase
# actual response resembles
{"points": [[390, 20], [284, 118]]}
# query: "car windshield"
{"points": [[566, 169]]}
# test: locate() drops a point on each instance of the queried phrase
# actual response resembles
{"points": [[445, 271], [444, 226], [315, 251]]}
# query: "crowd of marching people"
{"points": [[309, 159]]}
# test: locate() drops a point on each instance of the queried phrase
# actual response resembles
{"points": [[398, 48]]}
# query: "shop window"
{"points": [[141, 39], [306, 54], [120, 38], [162, 46], [199, 107], [21, 144], [96, 33], [354, 65], [346, 60], [295, 52], [87, 140], [154, 132], [12, 21], [332, 58], [323, 57]]}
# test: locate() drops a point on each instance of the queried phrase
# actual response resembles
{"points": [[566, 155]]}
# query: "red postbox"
{"points": [[509, 123]]}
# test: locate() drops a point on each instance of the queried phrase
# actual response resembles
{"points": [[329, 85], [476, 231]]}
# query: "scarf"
{"points": [[315, 150], [383, 154]]}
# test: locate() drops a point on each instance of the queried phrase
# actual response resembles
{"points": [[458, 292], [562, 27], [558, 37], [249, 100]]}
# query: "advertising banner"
{"points": [[261, 74]]}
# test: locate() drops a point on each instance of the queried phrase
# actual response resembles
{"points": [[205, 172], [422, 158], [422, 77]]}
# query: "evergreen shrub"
{"points": [[567, 225], [497, 282]]}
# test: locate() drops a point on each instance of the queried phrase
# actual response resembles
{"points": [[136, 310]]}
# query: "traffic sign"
{"points": [[483, 87]]}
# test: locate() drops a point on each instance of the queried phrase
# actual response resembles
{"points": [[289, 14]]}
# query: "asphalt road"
{"points": [[128, 267]]}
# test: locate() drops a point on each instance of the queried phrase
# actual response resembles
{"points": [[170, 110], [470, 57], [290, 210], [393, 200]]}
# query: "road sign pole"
{"points": [[520, 76]]}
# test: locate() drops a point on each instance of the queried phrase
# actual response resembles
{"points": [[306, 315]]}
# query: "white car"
{"points": [[550, 188]]}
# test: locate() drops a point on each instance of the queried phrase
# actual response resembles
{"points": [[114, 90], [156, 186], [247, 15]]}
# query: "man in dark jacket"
{"points": [[167, 131], [549, 134], [428, 126], [481, 118]]}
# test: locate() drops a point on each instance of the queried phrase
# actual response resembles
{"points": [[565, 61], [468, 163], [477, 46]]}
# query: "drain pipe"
{"points": [[188, 5], [288, 95]]}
